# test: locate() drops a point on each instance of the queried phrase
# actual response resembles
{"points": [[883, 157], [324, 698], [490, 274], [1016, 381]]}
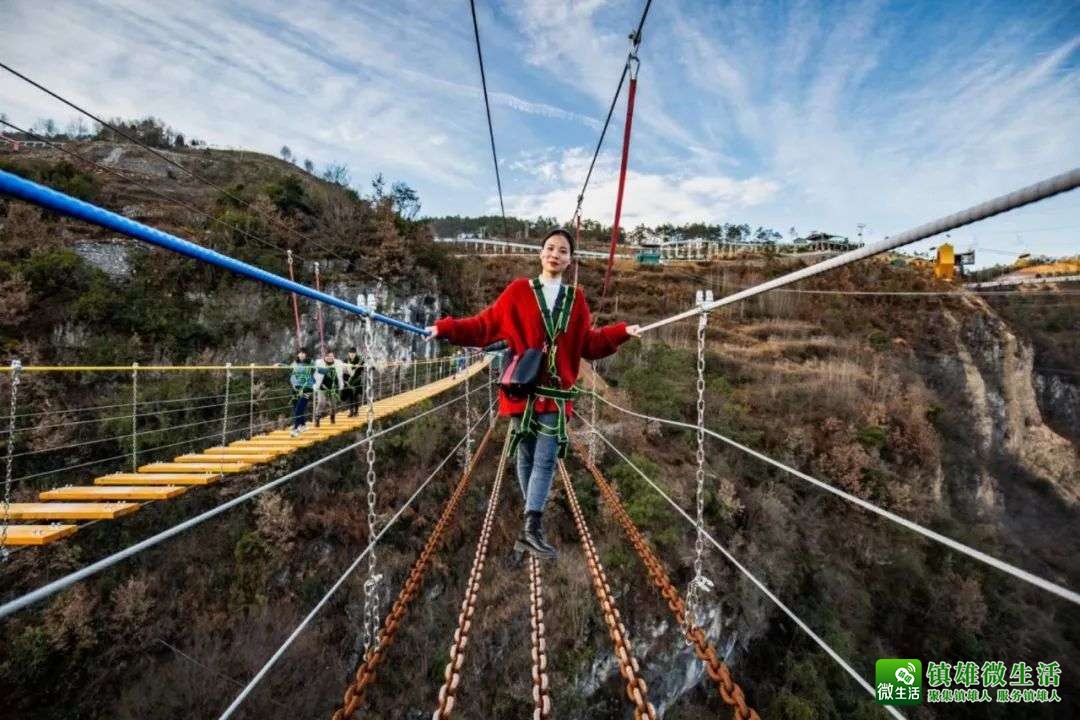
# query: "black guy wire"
{"points": [[487, 107], [144, 186], [636, 39], [175, 164]]}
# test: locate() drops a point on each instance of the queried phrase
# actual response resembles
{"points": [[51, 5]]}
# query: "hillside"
{"points": [[956, 411]]}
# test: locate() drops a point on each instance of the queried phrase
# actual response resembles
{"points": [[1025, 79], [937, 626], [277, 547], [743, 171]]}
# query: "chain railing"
{"points": [[356, 691], [717, 669], [636, 689], [541, 690], [452, 673], [699, 584], [373, 578], [16, 369]]}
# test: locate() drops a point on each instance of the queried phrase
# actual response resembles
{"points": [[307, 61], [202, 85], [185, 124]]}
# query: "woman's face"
{"points": [[555, 255]]}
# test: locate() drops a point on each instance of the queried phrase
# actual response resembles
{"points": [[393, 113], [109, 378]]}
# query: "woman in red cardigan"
{"points": [[516, 317]]}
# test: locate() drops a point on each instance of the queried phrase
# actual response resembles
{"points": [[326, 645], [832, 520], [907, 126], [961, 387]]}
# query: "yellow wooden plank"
{"points": [[224, 458], [71, 511], [113, 492], [280, 442], [257, 448], [189, 478], [37, 534], [170, 467], [241, 450]]}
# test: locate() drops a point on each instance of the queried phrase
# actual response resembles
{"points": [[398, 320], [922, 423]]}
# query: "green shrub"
{"points": [[645, 506], [56, 275], [871, 436]]}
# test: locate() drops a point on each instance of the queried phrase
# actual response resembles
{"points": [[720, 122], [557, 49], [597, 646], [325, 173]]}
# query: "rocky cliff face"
{"points": [[994, 372]]}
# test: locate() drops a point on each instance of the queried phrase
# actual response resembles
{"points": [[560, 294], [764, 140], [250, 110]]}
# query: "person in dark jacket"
{"points": [[353, 392]]}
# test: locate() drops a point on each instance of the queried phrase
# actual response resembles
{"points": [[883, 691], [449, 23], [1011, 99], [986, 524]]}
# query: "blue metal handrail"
{"points": [[58, 202]]}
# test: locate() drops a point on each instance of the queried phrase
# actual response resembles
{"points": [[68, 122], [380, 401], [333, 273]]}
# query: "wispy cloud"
{"points": [[806, 114]]}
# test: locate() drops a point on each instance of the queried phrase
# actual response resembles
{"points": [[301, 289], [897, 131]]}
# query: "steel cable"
{"points": [[1050, 187], [70, 579], [356, 690], [153, 151], [635, 40], [1062, 592], [332, 591], [487, 109], [750, 576]]}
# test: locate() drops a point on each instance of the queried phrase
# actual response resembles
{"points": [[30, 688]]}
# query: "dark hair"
{"points": [[563, 233]]}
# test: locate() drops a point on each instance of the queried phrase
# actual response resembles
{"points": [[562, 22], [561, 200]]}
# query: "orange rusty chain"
{"points": [[356, 690], [452, 674], [729, 690], [541, 697], [636, 689]]}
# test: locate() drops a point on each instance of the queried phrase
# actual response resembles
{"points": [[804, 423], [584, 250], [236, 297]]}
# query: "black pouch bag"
{"points": [[523, 373]]}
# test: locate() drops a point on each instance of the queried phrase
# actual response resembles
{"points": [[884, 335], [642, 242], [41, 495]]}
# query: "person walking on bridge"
{"points": [[301, 381], [353, 392], [329, 382], [541, 315]]}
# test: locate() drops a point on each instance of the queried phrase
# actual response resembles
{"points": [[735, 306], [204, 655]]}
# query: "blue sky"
{"points": [[805, 115]]}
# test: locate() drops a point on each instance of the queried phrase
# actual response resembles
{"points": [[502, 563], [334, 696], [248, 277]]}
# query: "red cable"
{"points": [[622, 181], [295, 305], [318, 314]]}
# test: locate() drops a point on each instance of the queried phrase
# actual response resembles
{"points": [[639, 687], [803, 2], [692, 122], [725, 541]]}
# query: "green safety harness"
{"points": [[303, 374], [554, 325]]}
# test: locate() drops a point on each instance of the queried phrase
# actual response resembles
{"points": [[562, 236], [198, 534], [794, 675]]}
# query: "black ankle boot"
{"points": [[532, 538]]}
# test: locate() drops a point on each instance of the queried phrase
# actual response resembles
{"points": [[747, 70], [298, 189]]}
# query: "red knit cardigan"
{"points": [[515, 318]]}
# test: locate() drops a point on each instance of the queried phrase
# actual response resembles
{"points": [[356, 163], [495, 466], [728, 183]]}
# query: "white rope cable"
{"points": [[141, 433], [155, 413], [1032, 193], [333, 589], [134, 416], [956, 545], [70, 579], [225, 410], [750, 576], [88, 463]]}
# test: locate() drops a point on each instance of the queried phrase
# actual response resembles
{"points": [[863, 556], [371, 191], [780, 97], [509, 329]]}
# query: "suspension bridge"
{"points": [[250, 439]]}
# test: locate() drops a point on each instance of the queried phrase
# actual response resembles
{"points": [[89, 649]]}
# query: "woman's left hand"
{"points": [[633, 330]]}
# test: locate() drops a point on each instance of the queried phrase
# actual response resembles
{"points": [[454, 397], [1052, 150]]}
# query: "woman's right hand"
{"points": [[433, 332]]}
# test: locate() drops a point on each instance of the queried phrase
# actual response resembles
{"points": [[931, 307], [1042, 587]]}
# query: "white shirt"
{"points": [[550, 289]]}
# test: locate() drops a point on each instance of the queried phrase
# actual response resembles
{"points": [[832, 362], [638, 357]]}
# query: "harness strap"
{"points": [[555, 324]]}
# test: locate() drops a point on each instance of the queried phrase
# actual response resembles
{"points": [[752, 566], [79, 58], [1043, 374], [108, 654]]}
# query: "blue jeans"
{"points": [[536, 464], [299, 415]]}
